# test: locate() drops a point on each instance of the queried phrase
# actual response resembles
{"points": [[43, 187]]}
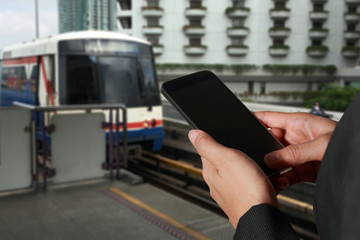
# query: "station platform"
{"points": [[105, 209]]}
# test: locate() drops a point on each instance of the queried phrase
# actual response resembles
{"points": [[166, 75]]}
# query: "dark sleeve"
{"points": [[337, 196], [264, 222]]}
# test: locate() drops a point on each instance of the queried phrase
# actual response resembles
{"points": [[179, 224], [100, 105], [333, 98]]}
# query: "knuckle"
{"points": [[292, 153]]}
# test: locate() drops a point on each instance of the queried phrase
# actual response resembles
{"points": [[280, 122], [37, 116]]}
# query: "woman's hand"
{"points": [[305, 136], [236, 182]]}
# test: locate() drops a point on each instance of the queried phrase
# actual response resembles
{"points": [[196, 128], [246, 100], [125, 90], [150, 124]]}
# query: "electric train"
{"points": [[88, 67]]}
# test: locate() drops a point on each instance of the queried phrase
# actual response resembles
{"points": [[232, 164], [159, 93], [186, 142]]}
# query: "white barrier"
{"points": [[15, 149]]}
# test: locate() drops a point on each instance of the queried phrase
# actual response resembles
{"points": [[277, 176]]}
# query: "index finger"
{"points": [[274, 119]]}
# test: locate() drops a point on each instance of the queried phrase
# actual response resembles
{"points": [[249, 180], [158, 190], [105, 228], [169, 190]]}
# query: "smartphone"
{"points": [[206, 103]]}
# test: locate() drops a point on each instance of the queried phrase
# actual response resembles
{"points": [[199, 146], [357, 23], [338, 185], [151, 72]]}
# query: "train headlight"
{"points": [[146, 124]]}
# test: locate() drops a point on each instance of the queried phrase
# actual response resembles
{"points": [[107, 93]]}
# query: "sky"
{"points": [[17, 20]]}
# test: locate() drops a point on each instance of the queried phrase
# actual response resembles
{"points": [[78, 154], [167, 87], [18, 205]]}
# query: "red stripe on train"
{"points": [[137, 125], [20, 61]]}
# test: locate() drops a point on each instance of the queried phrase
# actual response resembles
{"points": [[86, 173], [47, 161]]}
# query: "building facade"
{"points": [[259, 44], [77, 15]]}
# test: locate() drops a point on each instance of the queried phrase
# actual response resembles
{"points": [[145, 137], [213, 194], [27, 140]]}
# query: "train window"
{"points": [[81, 85], [33, 78], [120, 81], [4, 78], [147, 83], [14, 78]]}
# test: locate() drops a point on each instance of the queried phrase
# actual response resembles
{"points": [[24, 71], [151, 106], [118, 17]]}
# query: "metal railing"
{"points": [[40, 127]]}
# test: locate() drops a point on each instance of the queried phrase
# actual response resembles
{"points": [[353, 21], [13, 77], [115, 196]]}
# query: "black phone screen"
{"points": [[208, 104]]}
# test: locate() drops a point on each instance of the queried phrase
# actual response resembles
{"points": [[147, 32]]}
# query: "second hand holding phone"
{"points": [[208, 104]]}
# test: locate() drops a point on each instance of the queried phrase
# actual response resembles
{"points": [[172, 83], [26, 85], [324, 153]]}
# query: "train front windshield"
{"points": [[107, 71]]}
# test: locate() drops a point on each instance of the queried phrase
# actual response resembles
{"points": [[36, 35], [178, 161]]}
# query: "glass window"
{"points": [[153, 22], [279, 23], [318, 7], [351, 27], [238, 3], [33, 79], [352, 9], [119, 80], [81, 84], [125, 4], [350, 43], [147, 82], [101, 79], [14, 78], [278, 42], [317, 25], [108, 72], [195, 21], [195, 4], [237, 41], [316, 43], [280, 4], [154, 40], [238, 22], [126, 22], [153, 3], [4, 78], [195, 41]]}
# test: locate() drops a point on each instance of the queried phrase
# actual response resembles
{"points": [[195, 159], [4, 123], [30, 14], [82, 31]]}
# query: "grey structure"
{"points": [[77, 15]]}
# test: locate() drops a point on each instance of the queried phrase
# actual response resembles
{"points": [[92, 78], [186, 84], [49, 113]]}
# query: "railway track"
{"points": [[185, 179]]}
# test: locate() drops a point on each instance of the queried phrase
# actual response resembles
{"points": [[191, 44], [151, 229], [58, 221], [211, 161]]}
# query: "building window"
{"points": [[351, 27], [126, 23], [237, 41], [237, 22], [195, 4], [153, 3], [279, 23], [316, 43], [153, 22], [238, 3], [195, 41], [309, 86], [125, 4], [154, 41], [318, 7], [280, 4], [195, 21], [317, 25], [278, 42], [352, 9], [350, 43]]}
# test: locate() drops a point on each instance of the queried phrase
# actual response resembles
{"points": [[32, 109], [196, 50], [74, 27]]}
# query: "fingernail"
{"points": [[193, 135], [272, 159]]}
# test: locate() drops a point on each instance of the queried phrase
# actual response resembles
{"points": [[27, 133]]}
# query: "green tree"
{"points": [[336, 98]]}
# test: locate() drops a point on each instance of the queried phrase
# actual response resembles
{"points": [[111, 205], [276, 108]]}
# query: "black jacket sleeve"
{"points": [[337, 196], [264, 222]]}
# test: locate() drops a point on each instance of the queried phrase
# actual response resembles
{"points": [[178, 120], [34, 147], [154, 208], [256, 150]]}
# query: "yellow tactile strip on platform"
{"points": [[165, 222]]}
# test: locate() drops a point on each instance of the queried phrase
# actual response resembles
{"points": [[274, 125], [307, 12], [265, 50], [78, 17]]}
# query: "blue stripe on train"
{"points": [[137, 136]]}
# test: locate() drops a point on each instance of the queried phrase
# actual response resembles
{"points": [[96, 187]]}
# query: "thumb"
{"points": [[297, 154]]}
